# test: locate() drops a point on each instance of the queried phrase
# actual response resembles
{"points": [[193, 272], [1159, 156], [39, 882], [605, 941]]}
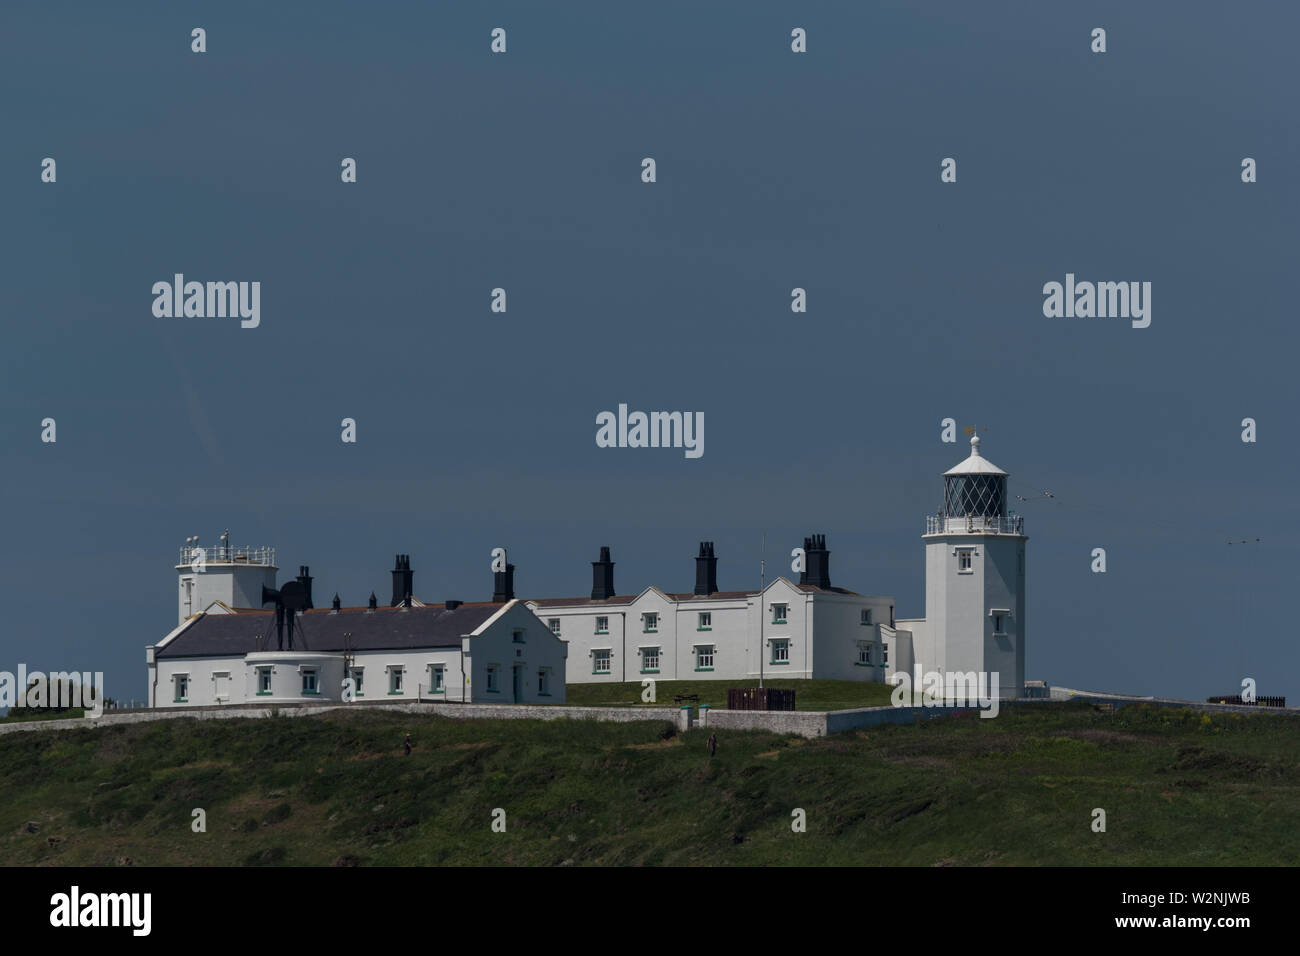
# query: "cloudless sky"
{"points": [[775, 170]]}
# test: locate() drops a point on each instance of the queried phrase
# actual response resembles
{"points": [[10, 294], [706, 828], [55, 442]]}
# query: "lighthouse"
{"points": [[974, 578]]}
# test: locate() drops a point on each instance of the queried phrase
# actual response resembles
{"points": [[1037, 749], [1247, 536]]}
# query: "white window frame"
{"points": [[599, 629], [784, 644], [314, 674], [597, 653], [437, 678], [397, 680], [646, 618], [864, 653], [177, 681], [554, 624], [646, 656], [705, 621], [783, 615], [865, 616], [702, 655]]}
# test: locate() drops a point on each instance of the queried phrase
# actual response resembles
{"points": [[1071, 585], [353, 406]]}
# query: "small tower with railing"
{"points": [[975, 576], [233, 576]]}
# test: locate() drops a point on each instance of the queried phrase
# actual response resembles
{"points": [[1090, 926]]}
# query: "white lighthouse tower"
{"points": [[975, 578], [233, 576]]}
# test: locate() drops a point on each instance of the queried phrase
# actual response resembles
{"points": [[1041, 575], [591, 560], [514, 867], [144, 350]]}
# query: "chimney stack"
{"points": [[602, 577], [337, 603], [374, 602], [305, 580], [402, 576], [503, 585], [706, 570], [817, 560]]}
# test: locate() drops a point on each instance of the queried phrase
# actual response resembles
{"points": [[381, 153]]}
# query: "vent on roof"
{"points": [[337, 603], [374, 603], [452, 605]]}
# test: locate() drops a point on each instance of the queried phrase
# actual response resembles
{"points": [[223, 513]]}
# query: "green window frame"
{"points": [[780, 651]]}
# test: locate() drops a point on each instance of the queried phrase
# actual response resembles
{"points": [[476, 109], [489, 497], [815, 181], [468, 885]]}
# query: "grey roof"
{"points": [[385, 628]]}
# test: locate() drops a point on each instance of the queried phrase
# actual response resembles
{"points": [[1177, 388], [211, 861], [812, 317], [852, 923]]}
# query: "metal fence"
{"points": [[760, 698]]}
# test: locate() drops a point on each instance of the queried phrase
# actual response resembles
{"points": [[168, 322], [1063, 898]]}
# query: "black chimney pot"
{"points": [[337, 603], [503, 585], [374, 603], [452, 605], [402, 576], [818, 562], [706, 569], [304, 578], [602, 576]]}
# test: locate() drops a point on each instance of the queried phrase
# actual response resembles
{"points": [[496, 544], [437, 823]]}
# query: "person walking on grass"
{"points": [[713, 743], [406, 745]]}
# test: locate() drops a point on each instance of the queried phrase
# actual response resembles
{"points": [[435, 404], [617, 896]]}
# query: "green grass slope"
{"points": [[1178, 788]]}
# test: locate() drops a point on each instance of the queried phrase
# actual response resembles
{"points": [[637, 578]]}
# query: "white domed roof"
{"points": [[976, 464]]}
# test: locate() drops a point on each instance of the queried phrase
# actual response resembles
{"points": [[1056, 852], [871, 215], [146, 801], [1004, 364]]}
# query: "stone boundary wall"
{"points": [[680, 718], [805, 723]]}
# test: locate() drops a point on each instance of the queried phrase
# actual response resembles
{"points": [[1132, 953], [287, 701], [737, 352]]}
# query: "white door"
{"points": [[221, 688]]}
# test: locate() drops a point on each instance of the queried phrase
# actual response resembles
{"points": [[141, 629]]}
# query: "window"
{"points": [[436, 685], [864, 653], [395, 680], [866, 615], [780, 652], [884, 655], [543, 682], [649, 660], [964, 560], [182, 689], [309, 681], [493, 684], [779, 612], [519, 634], [554, 624], [358, 680], [264, 680], [602, 625], [706, 621], [704, 657], [600, 661], [997, 623], [651, 622]]}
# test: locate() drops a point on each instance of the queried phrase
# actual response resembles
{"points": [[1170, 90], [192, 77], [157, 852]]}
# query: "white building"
{"points": [[809, 629], [492, 652], [974, 583], [514, 651]]}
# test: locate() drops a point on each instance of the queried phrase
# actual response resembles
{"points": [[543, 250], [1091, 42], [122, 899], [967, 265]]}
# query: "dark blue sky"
{"points": [[775, 170]]}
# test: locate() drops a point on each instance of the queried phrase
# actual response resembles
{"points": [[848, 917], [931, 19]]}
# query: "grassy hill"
{"points": [[1177, 786]]}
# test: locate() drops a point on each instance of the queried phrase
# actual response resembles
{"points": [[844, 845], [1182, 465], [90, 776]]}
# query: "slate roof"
{"points": [[385, 628]]}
